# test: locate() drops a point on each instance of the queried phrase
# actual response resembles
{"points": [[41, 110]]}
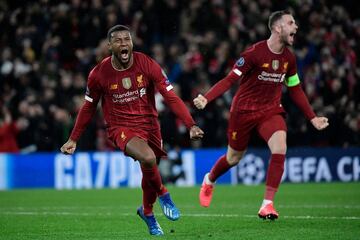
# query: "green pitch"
{"points": [[307, 211]]}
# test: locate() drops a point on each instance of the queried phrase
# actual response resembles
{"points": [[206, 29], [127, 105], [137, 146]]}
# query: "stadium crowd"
{"points": [[48, 48]]}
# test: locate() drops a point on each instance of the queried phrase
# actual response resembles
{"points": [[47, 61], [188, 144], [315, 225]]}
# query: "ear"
{"points": [[109, 46], [277, 27]]}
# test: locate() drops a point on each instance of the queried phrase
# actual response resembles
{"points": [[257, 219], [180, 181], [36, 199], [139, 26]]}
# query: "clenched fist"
{"points": [[68, 147], [320, 123], [200, 102], [196, 132]]}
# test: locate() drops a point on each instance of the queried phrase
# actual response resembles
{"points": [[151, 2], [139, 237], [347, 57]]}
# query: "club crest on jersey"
{"points": [[275, 64], [140, 81], [240, 62], [126, 82], [285, 66], [123, 136], [234, 135]]}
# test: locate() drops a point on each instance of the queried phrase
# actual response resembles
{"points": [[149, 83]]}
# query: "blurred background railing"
{"points": [[86, 170]]}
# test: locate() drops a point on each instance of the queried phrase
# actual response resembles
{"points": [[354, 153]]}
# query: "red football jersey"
{"points": [[263, 73], [128, 96]]}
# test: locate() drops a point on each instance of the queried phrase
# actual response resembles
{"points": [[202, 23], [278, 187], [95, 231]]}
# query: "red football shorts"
{"points": [[122, 135], [241, 126]]}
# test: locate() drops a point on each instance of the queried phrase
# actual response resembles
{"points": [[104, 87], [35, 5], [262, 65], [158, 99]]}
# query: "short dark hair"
{"points": [[275, 16], [115, 29]]}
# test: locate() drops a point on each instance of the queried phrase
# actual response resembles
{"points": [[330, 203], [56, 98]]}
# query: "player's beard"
{"points": [[285, 40], [124, 63]]}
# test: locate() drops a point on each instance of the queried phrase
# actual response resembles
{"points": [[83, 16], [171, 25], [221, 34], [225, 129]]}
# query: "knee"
{"points": [[148, 159], [233, 160], [279, 148]]}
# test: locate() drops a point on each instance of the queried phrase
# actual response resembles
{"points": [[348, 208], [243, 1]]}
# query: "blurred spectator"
{"points": [[8, 131], [47, 49]]}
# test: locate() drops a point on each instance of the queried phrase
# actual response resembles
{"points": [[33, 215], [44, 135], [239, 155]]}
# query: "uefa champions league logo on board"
{"points": [[251, 170]]}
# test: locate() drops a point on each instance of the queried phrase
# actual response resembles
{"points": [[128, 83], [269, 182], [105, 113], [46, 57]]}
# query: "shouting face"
{"points": [[287, 29], [121, 47]]}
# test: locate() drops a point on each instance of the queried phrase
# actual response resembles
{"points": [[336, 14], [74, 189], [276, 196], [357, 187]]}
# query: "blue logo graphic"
{"points": [[240, 62]]}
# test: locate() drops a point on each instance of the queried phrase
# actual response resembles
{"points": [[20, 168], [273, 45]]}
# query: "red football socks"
{"points": [[274, 174], [149, 197], [152, 187], [220, 167]]}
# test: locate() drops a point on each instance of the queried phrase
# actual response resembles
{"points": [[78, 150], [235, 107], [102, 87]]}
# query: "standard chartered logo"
{"points": [[271, 77], [251, 170], [125, 97]]}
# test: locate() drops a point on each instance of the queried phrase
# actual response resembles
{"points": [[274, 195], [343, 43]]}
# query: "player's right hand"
{"points": [[68, 147], [200, 102]]}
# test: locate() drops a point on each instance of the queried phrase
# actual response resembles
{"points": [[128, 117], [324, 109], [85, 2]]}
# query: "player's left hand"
{"points": [[320, 123], [196, 132]]}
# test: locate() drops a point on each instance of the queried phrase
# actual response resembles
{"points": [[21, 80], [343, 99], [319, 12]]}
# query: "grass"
{"points": [[307, 211]]}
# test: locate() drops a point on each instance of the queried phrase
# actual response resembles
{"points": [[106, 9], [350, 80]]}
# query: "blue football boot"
{"points": [[168, 207], [153, 225]]}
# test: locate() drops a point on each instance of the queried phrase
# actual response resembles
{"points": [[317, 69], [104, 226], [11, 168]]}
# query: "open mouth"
{"points": [[124, 54]]}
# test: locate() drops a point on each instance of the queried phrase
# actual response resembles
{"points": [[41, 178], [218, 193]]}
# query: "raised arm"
{"points": [[242, 66], [218, 89]]}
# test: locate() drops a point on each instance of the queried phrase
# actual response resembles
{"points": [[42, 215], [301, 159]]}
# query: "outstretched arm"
{"points": [[218, 89], [179, 108], [84, 116], [298, 96], [176, 105]]}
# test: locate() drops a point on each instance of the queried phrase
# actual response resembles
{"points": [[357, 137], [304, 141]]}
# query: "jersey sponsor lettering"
{"points": [[142, 92], [125, 97], [271, 77]]}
